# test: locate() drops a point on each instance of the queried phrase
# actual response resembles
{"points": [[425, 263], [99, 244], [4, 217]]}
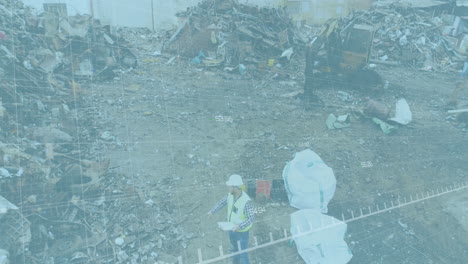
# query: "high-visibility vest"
{"points": [[235, 211]]}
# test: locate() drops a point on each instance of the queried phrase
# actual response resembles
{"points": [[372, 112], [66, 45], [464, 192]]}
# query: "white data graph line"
{"points": [[419, 198]]}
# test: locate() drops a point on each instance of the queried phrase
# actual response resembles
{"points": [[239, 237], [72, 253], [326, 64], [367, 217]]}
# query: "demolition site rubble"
{"points": [[61, 201]]}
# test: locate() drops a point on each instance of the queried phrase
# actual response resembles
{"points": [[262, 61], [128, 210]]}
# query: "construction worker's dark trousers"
{"points": [[243, 238]]}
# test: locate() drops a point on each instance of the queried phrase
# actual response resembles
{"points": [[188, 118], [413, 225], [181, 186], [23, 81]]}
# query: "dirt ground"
{"points": [[194, 126]]}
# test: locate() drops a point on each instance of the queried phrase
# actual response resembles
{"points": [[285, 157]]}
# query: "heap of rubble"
{"points": [[49, 52], [416, 38], [226, 32], [59, 200]]}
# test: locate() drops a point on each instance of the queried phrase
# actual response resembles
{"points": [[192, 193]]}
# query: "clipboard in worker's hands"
{"points": [[226, 226]]}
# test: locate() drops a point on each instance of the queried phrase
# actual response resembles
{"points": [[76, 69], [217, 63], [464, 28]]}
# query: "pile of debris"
{"points": [[224, 32], [59, 200], [71, 204], [415, 37], [41, 175], [49, 52]]}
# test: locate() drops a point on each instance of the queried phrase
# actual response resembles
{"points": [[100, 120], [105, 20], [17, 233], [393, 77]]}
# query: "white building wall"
{"points": [[137, 13], [129, 13], [73, 6], [133, 13]]}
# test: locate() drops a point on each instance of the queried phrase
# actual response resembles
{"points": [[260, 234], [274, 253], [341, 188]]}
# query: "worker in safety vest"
{"points": [[240, 212]]}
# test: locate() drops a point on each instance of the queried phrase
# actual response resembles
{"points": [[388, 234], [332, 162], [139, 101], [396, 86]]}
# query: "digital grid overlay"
{"points": [[171, 142]]}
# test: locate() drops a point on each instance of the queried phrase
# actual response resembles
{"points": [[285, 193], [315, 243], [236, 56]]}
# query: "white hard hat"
{"points": [[235, 180]]}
